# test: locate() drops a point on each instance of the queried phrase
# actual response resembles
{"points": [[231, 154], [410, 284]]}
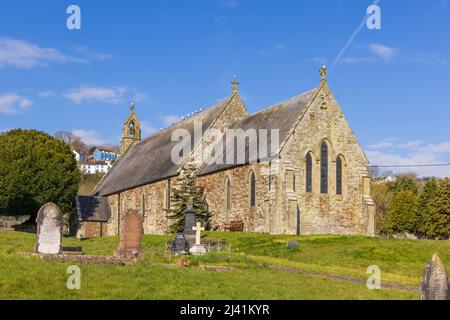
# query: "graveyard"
{"points": [[249, 266]]}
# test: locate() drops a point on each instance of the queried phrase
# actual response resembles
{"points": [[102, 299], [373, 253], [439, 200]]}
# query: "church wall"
{"points": [[150, 200], [327, 213], [255, 218]]}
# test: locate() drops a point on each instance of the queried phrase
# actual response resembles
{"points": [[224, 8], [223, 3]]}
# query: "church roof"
{"points": [[150, 160], [281, 116]]}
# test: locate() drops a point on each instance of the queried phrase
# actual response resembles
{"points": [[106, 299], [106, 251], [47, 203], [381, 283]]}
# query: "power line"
{"points": [[411, 165]]}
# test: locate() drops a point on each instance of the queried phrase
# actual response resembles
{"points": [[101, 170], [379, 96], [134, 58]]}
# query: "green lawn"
{"points": [[253, 255]]}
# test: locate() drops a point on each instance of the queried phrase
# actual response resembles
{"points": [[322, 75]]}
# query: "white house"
{"points": [[94, 167]]}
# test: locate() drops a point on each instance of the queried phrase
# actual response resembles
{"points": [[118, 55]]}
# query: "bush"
{"points": [[434, 210], [35, 168], [401, 214]]}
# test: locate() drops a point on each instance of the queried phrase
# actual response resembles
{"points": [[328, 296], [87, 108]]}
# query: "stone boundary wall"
{"points": [[8, 222]]}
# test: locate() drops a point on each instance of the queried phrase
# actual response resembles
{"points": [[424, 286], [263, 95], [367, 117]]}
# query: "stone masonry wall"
{"points": [[327, 213]]}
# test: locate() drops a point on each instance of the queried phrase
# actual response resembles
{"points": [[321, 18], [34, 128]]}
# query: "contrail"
{"points": [[355, 33]]}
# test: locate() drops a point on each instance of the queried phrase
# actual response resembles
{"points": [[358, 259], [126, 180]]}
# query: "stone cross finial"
{"points": [[235, 84], [190, 204], [198, 229], [323, 73], [132, 107]]}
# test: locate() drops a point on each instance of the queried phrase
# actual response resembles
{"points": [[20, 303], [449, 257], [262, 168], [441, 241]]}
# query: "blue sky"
{"points": [[173, 57]]}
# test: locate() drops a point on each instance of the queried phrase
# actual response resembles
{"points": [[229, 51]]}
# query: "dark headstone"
{"points": [[50, 224], [180, 245], [130, 235], [434, 285], [189, 223], [292, 244]]}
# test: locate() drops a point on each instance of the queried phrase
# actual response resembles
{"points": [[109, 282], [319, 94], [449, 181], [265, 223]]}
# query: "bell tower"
{"points": [[131, 131]]}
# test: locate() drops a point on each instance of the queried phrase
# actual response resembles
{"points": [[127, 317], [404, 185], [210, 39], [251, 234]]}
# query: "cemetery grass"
{"points": [[253, 256]]}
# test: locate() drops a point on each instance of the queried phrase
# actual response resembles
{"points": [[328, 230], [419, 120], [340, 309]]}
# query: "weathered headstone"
{"points": [[292, 244], [130, 235], [434, 285], [198, 248], [180, 245], [50, 224], [189, 222]]}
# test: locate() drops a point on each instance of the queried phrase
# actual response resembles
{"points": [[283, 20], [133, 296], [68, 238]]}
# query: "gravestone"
{"points": [[292, 244], [130, 235], [49, 223], [198, 249], [180, 245], [434, 285], [189, 222]]}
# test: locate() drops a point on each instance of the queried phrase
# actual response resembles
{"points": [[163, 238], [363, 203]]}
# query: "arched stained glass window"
{"points": [[308, 172], [252, 189], [338, 175], [324, 168], [228, 194]]}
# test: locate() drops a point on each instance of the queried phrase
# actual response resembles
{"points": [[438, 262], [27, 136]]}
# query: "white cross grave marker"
{"points": [[198, 230]]}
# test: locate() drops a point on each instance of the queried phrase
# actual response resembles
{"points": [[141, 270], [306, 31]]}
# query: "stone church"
{"points": [[316, 181]]}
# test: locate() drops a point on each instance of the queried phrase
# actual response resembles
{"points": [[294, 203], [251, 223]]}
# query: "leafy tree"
{"points": [[186, 189], [434, 210], [35, 168], [424, 216], [404, 182], [401, 214]]}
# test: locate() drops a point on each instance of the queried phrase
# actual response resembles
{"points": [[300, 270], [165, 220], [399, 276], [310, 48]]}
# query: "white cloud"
{"points": [[46, 94], [25, 55], [410, 144], [108, 95], [147, 128], [386, 143], [13, 103], [414, 152], [355, 60], [384, 52], [90, 137], [170, 119], [92, 55], [318, 60], [229, 3]]}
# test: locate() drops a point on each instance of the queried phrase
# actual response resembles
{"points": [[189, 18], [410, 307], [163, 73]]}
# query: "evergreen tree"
{"points": [[35, 168], [424, 217], [400, 216], [439, 226], [186, 189]]}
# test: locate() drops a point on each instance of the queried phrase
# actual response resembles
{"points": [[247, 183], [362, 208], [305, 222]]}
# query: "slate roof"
{"points": [[150, 160], [281, 116], [93, 208]]}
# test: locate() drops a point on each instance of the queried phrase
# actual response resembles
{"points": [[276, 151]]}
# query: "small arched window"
{"points": [[324, 168], [132, 130], [338, 175], [308, 172], [252, 189], [168, 195], [228, 193]]}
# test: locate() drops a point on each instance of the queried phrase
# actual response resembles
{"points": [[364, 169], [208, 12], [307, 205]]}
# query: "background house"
{"points": [[104, 154]]}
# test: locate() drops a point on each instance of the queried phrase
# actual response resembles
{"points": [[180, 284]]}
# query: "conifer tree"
{"points": [[185, 189]]}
